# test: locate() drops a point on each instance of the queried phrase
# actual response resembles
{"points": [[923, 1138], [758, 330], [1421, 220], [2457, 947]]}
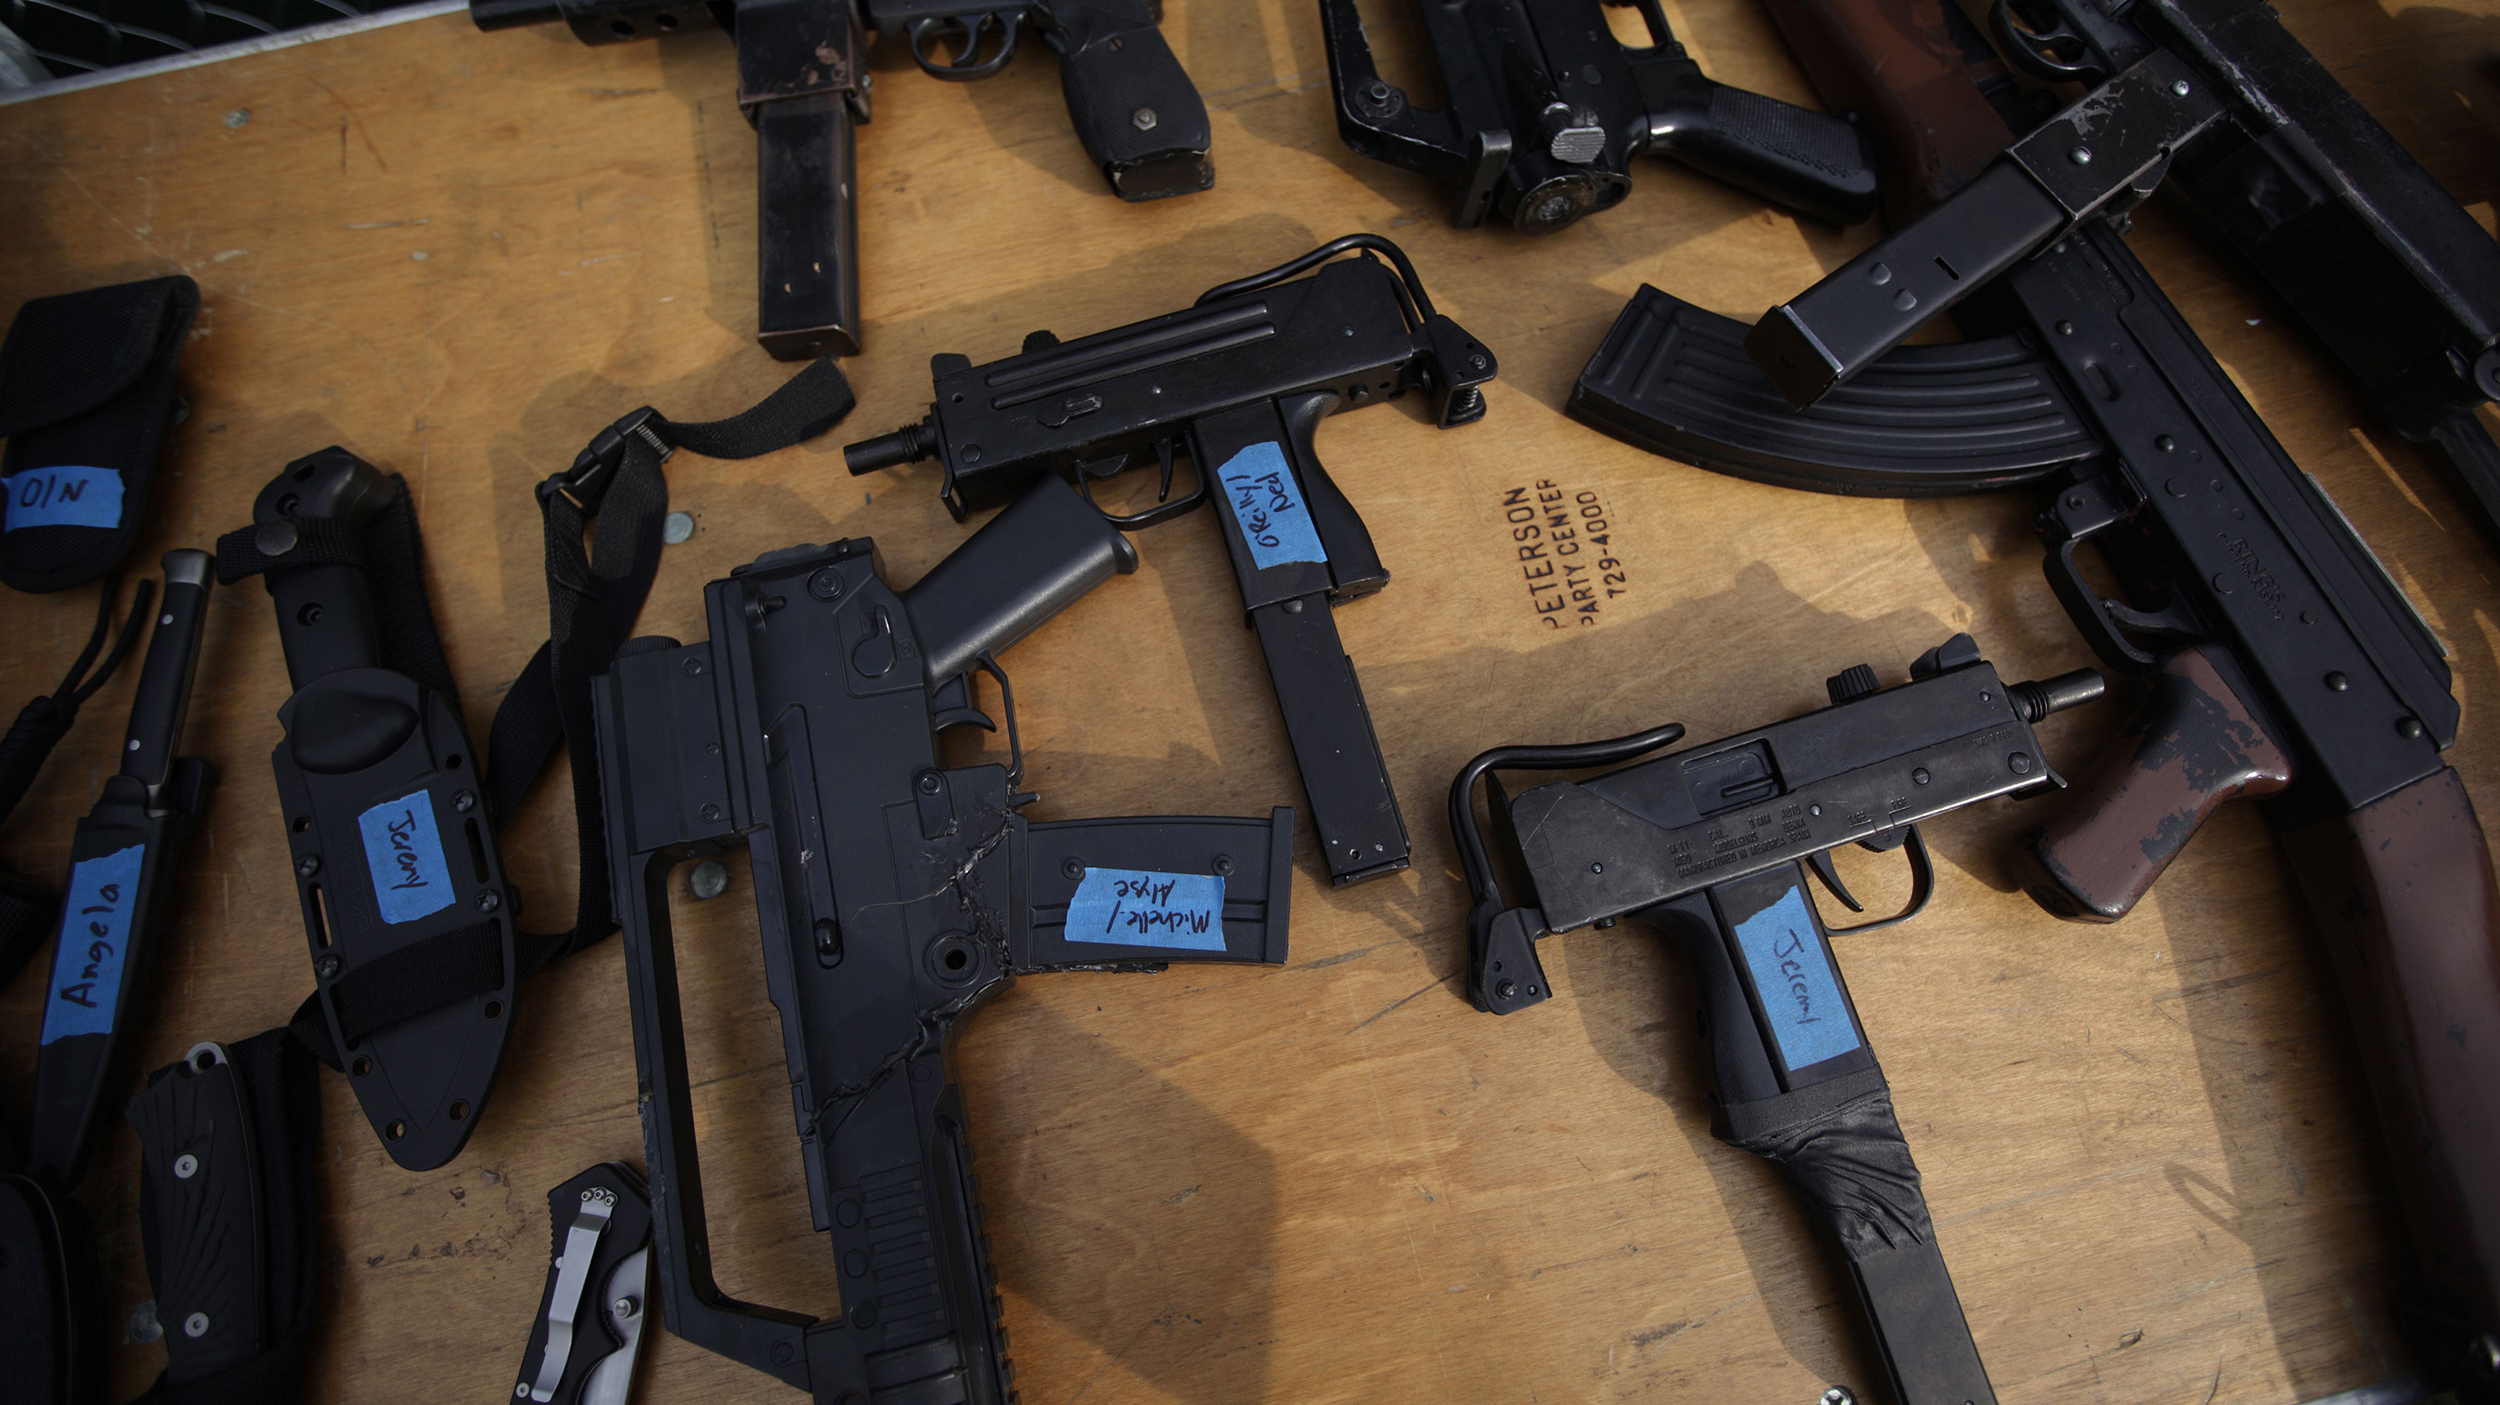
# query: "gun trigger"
{"points": [[1821, 862], [952, 706], [1163, 486]]}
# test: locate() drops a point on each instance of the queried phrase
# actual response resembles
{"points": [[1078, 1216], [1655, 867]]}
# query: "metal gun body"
{"points": [[2214, 99], [1237, 384], [2284, 664], [1545, 110], [1712, 845], [804, 86], [893, 895]]}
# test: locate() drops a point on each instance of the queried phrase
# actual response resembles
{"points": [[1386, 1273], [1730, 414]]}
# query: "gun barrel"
{"points": [[512, 14], [910, 444]]}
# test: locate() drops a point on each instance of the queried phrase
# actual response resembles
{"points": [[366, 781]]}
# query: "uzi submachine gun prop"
{"points": [[894, 894], [1544, 110], [1238, 384], [803, 82], [2282, 661], [1712, 845]]}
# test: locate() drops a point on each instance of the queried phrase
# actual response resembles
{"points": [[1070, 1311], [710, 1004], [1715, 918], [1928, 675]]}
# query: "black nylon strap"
{"points": [[392, 556], [594, 597], [444, 969], [26, 912]]}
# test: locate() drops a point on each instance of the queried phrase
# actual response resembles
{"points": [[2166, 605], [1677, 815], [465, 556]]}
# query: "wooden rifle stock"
{"points": [[1913, 70]]}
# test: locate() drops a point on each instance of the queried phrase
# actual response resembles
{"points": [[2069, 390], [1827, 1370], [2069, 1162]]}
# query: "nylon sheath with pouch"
{"points": [[86, 394]]}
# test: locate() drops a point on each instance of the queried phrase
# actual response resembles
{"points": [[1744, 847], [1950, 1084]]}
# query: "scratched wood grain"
{"points": [[460, 254]]}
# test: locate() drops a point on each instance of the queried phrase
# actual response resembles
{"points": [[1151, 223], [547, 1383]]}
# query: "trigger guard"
{"points": [[2031, 49], [967, 66]]}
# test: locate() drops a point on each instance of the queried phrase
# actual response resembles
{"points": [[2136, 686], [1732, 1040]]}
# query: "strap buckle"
{"points": [[595, 467]]}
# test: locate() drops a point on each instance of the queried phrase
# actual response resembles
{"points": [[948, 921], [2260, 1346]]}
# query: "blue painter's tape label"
{"points": [[68, 495], [1130, 907], [405, 853], [1793, 974], [95, 936], [1266, 503]]}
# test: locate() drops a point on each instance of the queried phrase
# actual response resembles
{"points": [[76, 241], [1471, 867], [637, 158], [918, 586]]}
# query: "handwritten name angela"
{"points": [[1565, 546], [101, 927], [1153, 911]]}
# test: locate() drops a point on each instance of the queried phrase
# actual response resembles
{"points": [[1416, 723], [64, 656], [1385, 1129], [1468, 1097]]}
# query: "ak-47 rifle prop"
{"points": [[894, 894], [2213, 99], [1711, 845], [2282, 660], [803, 82]]}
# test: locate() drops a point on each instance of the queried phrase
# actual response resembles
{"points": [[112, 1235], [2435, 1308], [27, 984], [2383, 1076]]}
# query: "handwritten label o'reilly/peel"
{"points": [[1134, 907], [1265, 501], [95, 937], [404, 852], [1793, 976]]}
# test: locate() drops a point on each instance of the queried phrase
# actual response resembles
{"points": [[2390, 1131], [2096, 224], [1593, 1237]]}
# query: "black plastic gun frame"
{"points": [[1545, 110], [893, 894]]}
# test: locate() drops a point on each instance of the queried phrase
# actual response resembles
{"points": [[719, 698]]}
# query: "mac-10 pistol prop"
{"points": [[2213, 99], [894, 894], [1238, 384], [2283, 661], [803, 82], [1544, 110], [1712, 844]]}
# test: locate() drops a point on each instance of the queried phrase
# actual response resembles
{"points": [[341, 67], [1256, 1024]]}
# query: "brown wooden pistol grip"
{"points": [[2402, 889], [1897, 64], [2194, 744]]}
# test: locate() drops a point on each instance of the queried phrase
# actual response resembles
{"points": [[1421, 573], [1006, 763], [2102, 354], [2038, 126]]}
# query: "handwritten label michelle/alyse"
{"points": [[1132, 907]]}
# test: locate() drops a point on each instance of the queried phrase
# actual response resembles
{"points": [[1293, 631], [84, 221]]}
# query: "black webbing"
{"points": [[283, 1103], [594, 597], [392, 557], [27, 907]]}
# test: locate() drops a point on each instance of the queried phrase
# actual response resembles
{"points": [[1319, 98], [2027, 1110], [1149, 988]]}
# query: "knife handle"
{"points": [[199, 1171], [165, 678], [598, 1288]]}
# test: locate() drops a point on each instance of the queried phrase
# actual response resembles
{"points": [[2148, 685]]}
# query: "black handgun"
{"points": [[894, 895], [2216, 100], [2283, 661], [803, 82], [1545, 110], [1711, 845], [1238, 384]]}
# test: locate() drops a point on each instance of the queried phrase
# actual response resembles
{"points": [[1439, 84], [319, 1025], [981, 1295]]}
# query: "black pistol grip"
{"points": [[1922, 421], [1133, 106], [1811, 162]]}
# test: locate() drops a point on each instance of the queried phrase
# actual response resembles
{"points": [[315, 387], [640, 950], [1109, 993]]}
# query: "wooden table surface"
{"points": [[459, 254]]}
